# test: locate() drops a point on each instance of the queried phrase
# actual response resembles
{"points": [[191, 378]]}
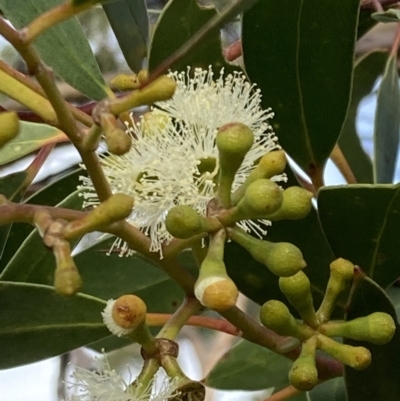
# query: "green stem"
{"points": [[146, 377], [171, 329], [143, 336], [199, 251], [254, 332]]}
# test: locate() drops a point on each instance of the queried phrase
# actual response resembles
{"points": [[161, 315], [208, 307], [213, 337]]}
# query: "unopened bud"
{"points": [[161, 89], [262, 197], [125, 82], [117, 207], [297, 290], [341, 274], [296, 204], [124, 315], [271, 164], [233, 141], [214, 288], [357, 358], [118, 141], [304, 373], [377, 328], [276, 316], [67, 280], [282, 259], [9, 126], [184, 222], [217, 293]]}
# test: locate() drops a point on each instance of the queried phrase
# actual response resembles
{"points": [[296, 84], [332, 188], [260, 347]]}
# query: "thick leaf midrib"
{"points": [[378, 242], [46, 327]]}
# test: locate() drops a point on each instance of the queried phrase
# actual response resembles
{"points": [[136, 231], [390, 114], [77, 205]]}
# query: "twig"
{"points": [[340, 162], [283, 394]]}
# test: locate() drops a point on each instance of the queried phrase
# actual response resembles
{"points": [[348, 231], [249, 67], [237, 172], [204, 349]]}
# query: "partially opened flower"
{"points": [[107, 385], [174, 159]]}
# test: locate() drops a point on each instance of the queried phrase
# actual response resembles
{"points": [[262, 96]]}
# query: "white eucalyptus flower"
{"points": [[175, 161], [107, 385]]}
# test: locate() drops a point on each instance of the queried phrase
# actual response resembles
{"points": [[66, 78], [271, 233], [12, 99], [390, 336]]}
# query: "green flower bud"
{"points": [[276, 316], [377, 328], [184, 222], [233, 141], [161, 89], [67, 280], [118, 141], [304, 373], [125, 82], [297, 290], [214, 288], [271, 164], [357, 358], [117, 207], [296, 204], [9, 126], [261, 198], [341, 273], [282, 258]]}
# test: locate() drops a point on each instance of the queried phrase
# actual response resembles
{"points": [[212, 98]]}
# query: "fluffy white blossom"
{"points": [[107, 385], [176, 163]]}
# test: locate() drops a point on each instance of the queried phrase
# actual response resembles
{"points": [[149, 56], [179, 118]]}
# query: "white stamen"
{"points": [[161, 170]]}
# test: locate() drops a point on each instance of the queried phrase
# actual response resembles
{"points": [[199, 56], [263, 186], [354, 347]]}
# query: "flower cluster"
{"points": [[107, 385], [174, 159]]}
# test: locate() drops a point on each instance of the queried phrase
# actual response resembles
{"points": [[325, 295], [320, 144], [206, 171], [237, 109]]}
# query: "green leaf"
{"points": [[36, 323], [64, 47], [247, 366], [258, 283], [303, 65], [130, 23], [366, 72], [112, 276], [11, 184], [391, 15], [31, 137], [103, 276], [33, 262], [49, 196], [393, 292], [380, 381], [387, 124], [362, 224], [176, 25], [332, 390]]}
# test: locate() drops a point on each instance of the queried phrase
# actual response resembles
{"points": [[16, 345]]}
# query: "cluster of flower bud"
{"points": [[257, 198], [316, 329]]}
